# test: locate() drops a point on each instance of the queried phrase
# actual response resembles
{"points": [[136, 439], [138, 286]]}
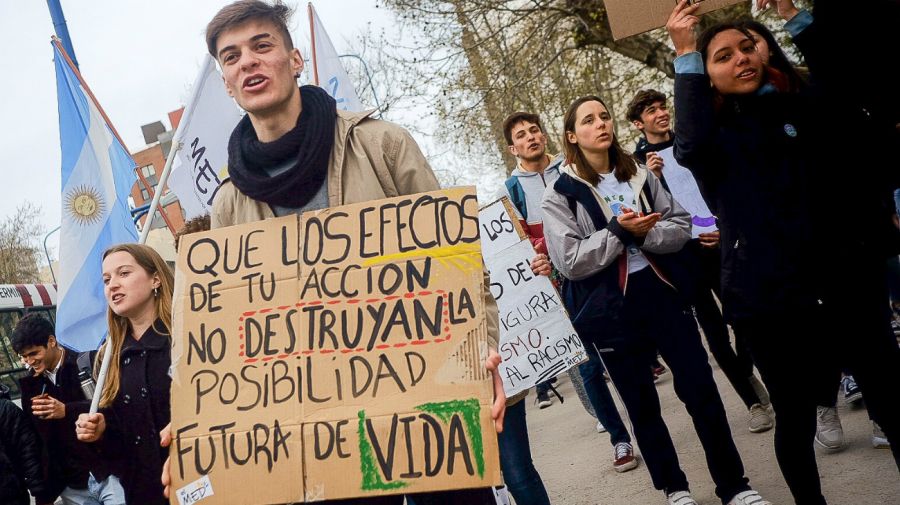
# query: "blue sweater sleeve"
{"points": [[689, 63], [798, 23]]}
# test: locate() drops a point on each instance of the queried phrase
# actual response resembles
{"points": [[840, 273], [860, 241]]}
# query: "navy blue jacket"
{"points": [[130, 447], [595, 302]]}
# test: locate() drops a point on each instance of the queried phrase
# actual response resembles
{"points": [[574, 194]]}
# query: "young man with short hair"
{"points": [[649, 113], [295, 152], [536, 170], [53, 397]]}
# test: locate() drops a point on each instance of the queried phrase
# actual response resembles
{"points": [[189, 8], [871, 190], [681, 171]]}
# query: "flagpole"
{"points": [[312, 37], [177, 144], [158, 191], [148, 222], [62, 29]]}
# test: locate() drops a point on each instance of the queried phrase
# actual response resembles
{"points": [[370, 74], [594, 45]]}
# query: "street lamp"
{"points": [[47, 253]]}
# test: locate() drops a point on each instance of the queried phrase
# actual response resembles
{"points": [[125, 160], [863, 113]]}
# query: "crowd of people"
{"points": [[799, 280]]}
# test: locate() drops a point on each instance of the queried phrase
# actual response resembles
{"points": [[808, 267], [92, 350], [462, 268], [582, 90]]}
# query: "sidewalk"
{"points": [[575, 461]]}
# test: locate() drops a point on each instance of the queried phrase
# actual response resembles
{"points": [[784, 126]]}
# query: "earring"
{"points": [[297, 75], [155, 292]]}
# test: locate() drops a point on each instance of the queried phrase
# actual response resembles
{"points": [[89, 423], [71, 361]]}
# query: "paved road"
{"points": [[576, 462]]}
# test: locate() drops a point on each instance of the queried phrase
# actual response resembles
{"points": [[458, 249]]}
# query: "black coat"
{"points": [[64, 457], [20, 459], [130, 447], [775, 168]]}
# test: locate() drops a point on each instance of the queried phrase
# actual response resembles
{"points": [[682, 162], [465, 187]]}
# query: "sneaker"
{"points": [[681, 498], [543, 400], [600, 427], [879, 441], [760, 390], [851, 391], [895, 325], [658, 370], [750, 497], [760, 420], [624, 459], [829, 434]]}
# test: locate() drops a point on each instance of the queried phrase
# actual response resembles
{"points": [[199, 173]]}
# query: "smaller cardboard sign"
{"points": [[631, 17], [498, 228], [537, 340]]}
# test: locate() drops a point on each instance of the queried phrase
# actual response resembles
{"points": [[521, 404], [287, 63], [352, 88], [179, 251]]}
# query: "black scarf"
{"points": [[309, 143]]}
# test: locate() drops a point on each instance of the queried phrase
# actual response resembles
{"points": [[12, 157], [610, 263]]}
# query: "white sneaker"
{"points": [[681, 498], [600, 427], [750, 497], [879, 441], [760, 420], [829, 433]]}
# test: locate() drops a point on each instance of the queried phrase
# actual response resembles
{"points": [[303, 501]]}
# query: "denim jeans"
{"points": [[598, 393], [477, 496], [107, 492], [522, 478], [736, 364]]}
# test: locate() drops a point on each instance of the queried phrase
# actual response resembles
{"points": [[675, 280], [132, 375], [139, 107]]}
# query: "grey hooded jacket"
{"points": [[579, 250]]}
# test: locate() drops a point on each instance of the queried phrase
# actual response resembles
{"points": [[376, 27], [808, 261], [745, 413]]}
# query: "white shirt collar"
{"points": [[52, 374]]}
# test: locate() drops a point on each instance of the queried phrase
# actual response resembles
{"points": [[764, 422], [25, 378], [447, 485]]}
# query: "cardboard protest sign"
{"points": [[686, 192], [537, 340], [333, 356], [631, 17]]}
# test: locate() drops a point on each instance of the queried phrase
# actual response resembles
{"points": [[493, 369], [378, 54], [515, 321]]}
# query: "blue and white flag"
{"points": [[329, 72], [97, 175]]}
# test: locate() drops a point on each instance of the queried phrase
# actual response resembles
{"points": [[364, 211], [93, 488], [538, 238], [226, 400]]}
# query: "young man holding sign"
{"points": [[649, 113], [294, 152]]}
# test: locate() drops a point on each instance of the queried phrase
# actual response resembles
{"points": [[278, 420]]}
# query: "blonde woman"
{"points": [[134, 403]]}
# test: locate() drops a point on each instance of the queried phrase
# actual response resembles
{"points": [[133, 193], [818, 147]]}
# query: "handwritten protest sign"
{"points": [[537, 340], [332, 356], [630, 17], [686, 192]]}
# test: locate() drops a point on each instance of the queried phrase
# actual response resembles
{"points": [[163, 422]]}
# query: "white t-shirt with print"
{"points": [[618, 195]]}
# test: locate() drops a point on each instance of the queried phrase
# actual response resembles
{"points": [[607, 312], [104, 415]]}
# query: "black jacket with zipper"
{"points": [[65, 459]]}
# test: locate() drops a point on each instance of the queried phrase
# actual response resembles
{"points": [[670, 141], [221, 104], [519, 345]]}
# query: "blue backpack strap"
{"points": [[517, 196], [573, 203]]}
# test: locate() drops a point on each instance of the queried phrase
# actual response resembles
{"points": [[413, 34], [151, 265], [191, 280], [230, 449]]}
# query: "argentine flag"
{"points": [[97, 175]]}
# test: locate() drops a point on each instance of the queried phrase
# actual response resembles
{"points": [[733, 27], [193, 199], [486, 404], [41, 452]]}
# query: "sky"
{"points": [[139, 58]]}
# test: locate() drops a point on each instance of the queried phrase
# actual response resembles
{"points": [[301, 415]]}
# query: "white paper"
{"points": [[684, 189], [537, 340], [496, 228], [195, 491]]}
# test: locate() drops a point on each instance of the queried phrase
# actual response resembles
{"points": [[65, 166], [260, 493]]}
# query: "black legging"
{"points": [[851, 328], [737, 365]]}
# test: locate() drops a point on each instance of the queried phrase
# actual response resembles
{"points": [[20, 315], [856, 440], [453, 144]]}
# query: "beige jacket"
{"points": [[370, 160]]}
